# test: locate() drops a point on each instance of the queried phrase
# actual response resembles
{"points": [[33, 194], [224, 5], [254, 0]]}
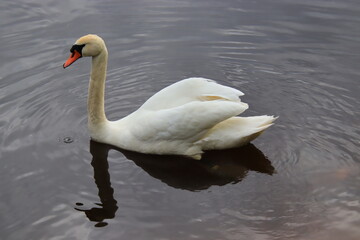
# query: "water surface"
{"points": [[296, 60]]}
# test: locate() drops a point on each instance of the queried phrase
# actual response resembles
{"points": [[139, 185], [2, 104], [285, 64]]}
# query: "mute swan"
{"points": [[185, 118]]}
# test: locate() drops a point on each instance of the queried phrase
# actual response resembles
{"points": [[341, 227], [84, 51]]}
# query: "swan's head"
{"points": [[87, 46]]}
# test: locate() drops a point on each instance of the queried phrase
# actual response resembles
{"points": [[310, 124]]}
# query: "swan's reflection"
{"points": [[215, 168]]}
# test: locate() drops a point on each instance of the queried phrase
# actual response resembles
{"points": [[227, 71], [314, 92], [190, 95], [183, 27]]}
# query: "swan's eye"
{"points": [[77, 48]]}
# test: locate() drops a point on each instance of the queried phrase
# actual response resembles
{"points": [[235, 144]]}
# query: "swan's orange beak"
{"points": [[75, 55]]}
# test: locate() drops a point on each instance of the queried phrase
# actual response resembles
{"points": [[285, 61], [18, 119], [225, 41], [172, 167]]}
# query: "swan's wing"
{"points": [[187, 123], [189, 90]]}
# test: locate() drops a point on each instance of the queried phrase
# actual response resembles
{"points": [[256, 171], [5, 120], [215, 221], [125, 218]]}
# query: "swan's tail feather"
{"points": [[235, 132]]}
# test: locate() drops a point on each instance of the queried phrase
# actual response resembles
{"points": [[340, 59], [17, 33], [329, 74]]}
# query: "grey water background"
{"points": [[295, 59]]}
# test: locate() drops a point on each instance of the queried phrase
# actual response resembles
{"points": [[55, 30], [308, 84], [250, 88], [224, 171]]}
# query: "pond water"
{"points": [[295, 59]]}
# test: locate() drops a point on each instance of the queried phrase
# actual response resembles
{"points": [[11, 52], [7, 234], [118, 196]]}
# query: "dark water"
{"points": [[295, 59]]}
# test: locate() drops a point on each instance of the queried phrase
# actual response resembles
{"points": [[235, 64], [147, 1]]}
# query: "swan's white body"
{"points": [[185, 118]]}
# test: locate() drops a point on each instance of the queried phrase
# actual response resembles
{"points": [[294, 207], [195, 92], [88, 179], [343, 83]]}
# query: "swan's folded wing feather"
{"points": [[188, 90], [187, 122]]}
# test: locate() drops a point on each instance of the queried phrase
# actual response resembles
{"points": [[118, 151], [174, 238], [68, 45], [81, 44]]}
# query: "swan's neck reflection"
{"points": [[108, 206]]}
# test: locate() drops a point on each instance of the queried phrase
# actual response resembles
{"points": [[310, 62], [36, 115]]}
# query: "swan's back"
{"points": [[190, 90]]}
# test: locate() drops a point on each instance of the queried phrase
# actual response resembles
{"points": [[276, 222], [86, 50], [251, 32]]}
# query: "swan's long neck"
{"points": [[96, 111]]}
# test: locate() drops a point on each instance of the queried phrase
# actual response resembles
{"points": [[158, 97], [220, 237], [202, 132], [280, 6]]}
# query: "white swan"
{"points": [[185, 118]]}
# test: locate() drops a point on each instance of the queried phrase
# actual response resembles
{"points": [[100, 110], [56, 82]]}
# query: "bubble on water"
{"points": [[68, 140]]}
